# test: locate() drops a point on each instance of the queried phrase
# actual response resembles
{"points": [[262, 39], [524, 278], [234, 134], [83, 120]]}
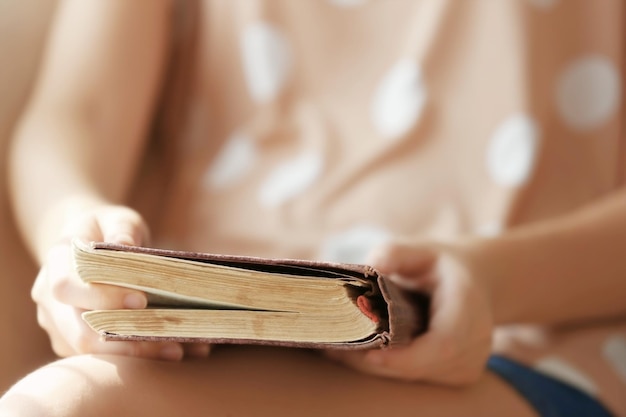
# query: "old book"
{"points": [[200, 297]]}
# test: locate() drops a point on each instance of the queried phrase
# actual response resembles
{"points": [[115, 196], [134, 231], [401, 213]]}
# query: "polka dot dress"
{"points": [[323, 128]]}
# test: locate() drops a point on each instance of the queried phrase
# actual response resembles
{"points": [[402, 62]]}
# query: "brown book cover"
{"points": [[214, 298]]}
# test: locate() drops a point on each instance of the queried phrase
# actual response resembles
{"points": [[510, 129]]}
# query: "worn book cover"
{"points": [[214, 298]]}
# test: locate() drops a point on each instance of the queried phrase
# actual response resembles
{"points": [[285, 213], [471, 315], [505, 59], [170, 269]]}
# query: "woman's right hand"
{"points": [[62, 297]]}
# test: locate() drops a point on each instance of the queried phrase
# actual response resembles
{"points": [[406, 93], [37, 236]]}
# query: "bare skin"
{"points": [[23, 26], [242, 382], [85, 122]]}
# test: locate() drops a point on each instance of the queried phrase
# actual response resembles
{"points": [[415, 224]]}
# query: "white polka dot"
{"points": [[614, 351], [353, 245], [346, 3], [588, 92], [512, 151], [233, 161], [266, 60], [543, 4], [399, 99], [563, 371], [290, 179]]}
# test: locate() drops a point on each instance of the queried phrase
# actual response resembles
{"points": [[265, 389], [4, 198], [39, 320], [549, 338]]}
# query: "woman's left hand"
{"points": [[456, 346]]}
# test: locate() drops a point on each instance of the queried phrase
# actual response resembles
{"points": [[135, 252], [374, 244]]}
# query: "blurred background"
{"points": [[23, 28]]}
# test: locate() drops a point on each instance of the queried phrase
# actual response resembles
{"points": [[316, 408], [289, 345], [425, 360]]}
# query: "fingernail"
{"points": [[123, 238], [403, 281], [377, 259], [200, 351], [171, 352], [135, 301]]}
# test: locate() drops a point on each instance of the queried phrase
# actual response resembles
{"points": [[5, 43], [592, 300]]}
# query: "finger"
{"points": [[84, 340], [40, 293], [67, 288], [70, 290], [123, 226], [168, 351], [449, 373], [407, 363], [197, 350], [357, 361], [425, 282], [403, 259], [438, 341], [435, 349], [58, 344], [84, 227], [461, 372], [41, 285], [396, 368], [71, 335]]}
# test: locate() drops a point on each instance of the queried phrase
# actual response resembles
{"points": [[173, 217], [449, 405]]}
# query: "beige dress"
{"points": [[322, 128]]}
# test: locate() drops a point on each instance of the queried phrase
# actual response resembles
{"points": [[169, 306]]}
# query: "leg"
{"points": [[242, 381], [24, 346]]}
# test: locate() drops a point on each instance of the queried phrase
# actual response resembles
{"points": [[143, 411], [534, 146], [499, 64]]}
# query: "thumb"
{"points": [[403, 259], [409, 266], [123, 225]]}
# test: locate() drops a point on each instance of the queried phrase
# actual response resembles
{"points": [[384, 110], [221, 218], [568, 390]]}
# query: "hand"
{"points": [[61, 296], [457, 344]]}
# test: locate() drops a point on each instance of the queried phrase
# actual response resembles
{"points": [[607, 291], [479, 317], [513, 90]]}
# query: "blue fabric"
{"points": [[550, 397]]}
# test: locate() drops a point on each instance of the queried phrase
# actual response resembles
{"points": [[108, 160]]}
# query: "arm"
{"points": [[82, 135], [568, 269], [75, 154]]}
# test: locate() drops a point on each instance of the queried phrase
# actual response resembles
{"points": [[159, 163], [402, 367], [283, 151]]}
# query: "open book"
{"points": [[199, 297]]}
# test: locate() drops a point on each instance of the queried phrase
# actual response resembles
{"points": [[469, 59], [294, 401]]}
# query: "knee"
{"points": [[77, 386]]}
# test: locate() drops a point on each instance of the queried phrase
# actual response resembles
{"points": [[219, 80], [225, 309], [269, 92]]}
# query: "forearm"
{"points": [[572, 268], [53, 174], [81, 137]]}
